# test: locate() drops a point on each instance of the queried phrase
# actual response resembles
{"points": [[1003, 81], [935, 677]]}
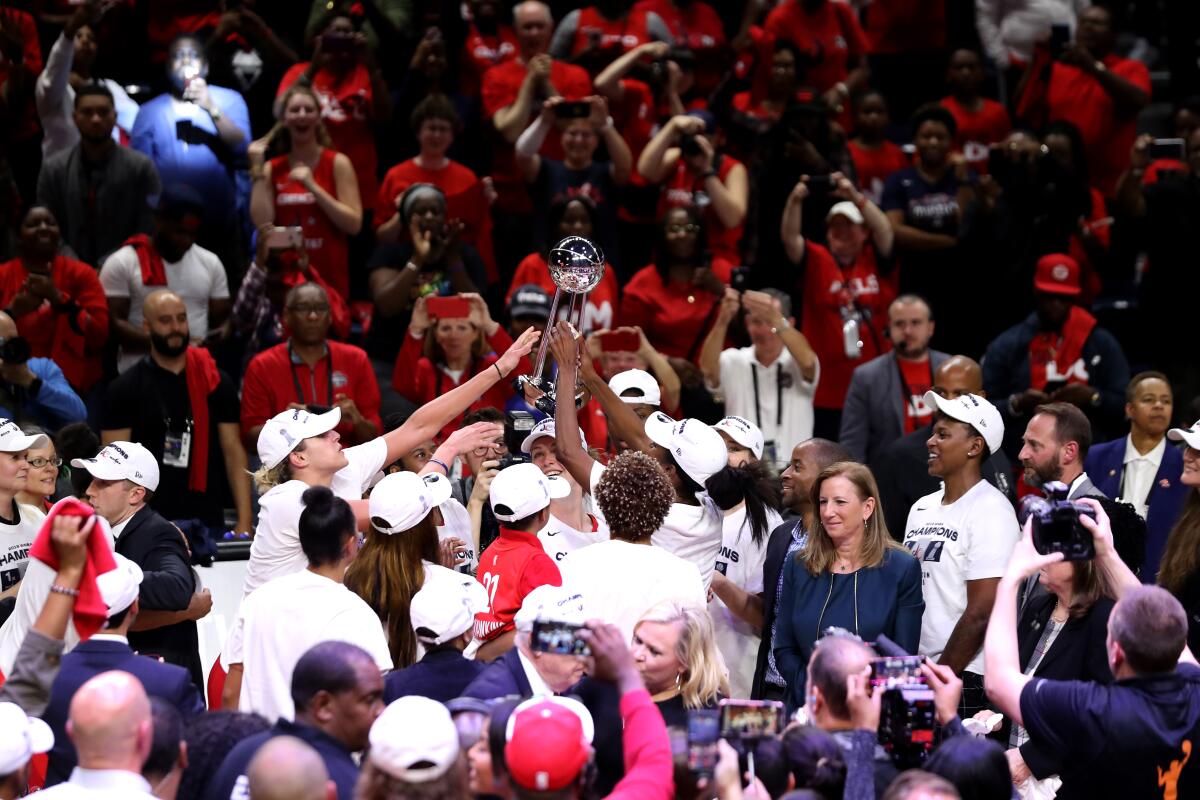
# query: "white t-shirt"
{"points": [[275, 550], [782, 379], [197, 278], [620, 581], [967, 540], [741, 561], [16, 537], [279, 622], [458, 523], [558, 538]]}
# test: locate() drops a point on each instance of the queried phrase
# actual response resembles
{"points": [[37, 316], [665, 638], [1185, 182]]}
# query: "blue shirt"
{"points": [[52, 406], [930, 207]]}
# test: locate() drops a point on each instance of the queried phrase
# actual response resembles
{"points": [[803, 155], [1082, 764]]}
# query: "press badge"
{"points": [[177, 449]]}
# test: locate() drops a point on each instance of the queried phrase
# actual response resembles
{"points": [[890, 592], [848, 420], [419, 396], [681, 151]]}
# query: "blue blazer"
{"points": [[1105, 465], [441, 675], [165, 681], [503, 677]]}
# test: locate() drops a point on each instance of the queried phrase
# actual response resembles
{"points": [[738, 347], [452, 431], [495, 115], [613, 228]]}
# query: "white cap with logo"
{"points": [[744, 432], [15, 440], [1189, 436], [974, 410], [522, 490], [697, 448], [414, 740], [400, 500], [642, 383], [284, 431], [543, 430], [546, 602], [119, 587], [21, 736], [122, 461], [446, 606]]}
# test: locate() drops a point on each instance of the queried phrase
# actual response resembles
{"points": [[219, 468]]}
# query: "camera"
{"points": [[689, 147], [15, 350], [751, 719], [906, 713], [703, 731], [560, 638], [1056, 527], [517, 425]]}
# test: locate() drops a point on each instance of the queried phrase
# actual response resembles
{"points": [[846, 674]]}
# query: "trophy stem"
{"points": [[544, 345]]}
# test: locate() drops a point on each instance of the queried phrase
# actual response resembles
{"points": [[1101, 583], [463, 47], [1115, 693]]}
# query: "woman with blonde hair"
{"points": [[677, 656], [307, 185], [849, 574]]}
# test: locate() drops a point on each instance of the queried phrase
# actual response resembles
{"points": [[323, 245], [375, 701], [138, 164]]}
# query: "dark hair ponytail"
{"points": [[752, 483], [325, 523]]}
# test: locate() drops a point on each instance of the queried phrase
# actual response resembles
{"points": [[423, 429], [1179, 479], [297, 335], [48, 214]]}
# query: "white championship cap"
{"points": [[522, 490], [645, 385], [548, 602], [697, 448], [15, 440], [544, 430], [1189, 436], [446, 607], [119, 587], [400, 500], [744, 432], [21, 737], [282, 432], [414, 740], [974, 410], [122, 461]]}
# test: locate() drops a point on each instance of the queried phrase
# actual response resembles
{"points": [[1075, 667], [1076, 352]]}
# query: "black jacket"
{"points": [[229, 781], [777, 547], [441, 675], [168, 583]]}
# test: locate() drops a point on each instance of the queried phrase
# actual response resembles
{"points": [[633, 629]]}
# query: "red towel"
{"points": [[202, 378], [153, 272], [1063, 349], [90, 610]]}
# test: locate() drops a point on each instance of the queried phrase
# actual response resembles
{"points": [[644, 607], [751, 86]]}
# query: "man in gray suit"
{"points": [[1054, 447], [886, 395]]}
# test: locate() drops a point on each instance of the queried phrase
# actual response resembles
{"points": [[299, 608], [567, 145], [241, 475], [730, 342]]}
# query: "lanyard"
{"points": [[778, 395], [296, 378]]}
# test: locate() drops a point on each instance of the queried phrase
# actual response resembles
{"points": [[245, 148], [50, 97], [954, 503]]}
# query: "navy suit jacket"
{"points": [[441, 675], [165, 681], [1105, 464], [503, 677]]}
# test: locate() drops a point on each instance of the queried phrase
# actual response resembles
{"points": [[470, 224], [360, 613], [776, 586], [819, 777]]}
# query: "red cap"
{"points": [[548, 744], [1057, 274]]}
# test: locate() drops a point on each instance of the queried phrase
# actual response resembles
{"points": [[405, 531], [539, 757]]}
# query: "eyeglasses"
{"points": [[499, 448], [689, 228], [38, 463], [310, 308]]}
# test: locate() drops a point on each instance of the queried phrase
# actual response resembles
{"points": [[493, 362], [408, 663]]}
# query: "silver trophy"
{"points": [[576, 267]]}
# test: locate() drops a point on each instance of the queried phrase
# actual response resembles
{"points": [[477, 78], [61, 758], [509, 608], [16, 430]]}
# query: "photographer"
{"points": [[33, 389], [1154, 703]]}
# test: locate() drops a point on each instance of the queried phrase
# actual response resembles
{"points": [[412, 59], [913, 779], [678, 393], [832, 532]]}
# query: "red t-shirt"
{"points": [[482, 52], [74, 338], [600, 308], [831, 33], [874, 166], [464, 201], [918, 376], [697, 27], [901, 26], [27, 125], [827, 290], [977, 129], [328, 250], [273, 380], [675, 317], [346, 106], [617, 35], [510, 568], [683, 188], [1077, 97]]}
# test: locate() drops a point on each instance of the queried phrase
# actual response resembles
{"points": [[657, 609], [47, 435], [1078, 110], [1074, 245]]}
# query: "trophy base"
{"points": [[541, 394]]}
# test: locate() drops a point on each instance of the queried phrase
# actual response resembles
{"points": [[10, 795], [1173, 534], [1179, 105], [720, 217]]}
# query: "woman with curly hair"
{"points": [[634, 496]]}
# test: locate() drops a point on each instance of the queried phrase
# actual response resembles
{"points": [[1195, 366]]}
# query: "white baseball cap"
{"points": [[845, 209], [119, 587], [522, 491], [21, 736], [15, 440], [1189, 436], [646, 385], [697, 448], [400, 500], [556, 603], [545, 430], [414, 740], [122, 461], [284, 431], [974, 410], [446, 606], [744, 432]]}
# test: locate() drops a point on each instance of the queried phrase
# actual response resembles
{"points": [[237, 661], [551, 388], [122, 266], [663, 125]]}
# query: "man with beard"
{"points": [[168, 259], [185, 411], [97, 190], [1055, 447]]}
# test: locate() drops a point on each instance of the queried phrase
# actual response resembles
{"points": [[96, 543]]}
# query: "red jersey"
{"points": [[977, 129], [464, 201], [73, 336], [828, 289], [917, 378], [623, 35], [327, 246], [510, 568], [674, 316], [684, 188], [902, 26], [481, 52], [831, 34], [346, 105], [875, 165], [275, 378], [697, 27], [1077, 97], [600, 308]]}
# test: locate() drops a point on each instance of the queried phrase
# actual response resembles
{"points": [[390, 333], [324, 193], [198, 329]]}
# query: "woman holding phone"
{"points": [[449, 340]]}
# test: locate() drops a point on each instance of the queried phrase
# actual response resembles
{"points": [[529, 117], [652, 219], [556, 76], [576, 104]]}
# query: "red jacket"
{"points": [[649, 770], [73, 335]]}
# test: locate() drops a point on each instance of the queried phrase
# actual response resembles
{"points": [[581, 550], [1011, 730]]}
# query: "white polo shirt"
{"points": [[782, 380], [275, 550], [967, 540], [280, 621]]}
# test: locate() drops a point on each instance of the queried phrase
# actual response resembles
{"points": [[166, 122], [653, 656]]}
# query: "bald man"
{"points": [[111, 728], [33, 389], [198, 445], [288, 769], [902, 471]]}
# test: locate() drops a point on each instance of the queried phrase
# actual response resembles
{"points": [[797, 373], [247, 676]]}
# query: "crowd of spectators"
{"points": [[881, 282]]}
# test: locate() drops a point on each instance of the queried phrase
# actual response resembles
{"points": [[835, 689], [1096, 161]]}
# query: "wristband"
{"points": [[441, 464], [498, 372], [58, 589]]}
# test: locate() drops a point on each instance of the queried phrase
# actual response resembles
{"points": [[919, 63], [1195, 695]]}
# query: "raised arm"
{"points": [[791, 225], [531, 139], [714, 341], [876, 222], [660, 155], [565, 349], [608, 82], [623, 423], [510, 120], [766, 307], [345, 209], [667, 377]]}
